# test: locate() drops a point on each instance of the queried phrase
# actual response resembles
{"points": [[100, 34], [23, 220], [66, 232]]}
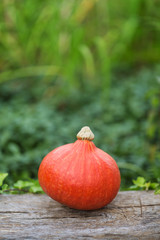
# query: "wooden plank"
{"points": [[132, 215]]}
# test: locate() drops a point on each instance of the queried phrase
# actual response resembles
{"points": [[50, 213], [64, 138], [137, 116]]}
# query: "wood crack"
{"points": [[6, 212], [141, 207], [136, 206], [124, 215]]}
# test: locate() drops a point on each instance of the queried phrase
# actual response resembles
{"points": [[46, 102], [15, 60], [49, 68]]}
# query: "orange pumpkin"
{"points": [[80, 175]]}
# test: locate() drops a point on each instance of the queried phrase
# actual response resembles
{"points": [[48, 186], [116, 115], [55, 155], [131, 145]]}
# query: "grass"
{"points": [[83, 39]]}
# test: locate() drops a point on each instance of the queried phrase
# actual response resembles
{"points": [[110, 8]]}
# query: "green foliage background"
{"points": [[66, 64]]}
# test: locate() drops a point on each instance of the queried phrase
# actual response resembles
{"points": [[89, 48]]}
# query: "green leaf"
{"points": [[2, 177], [140, 182], [154, 185], [134, 187], [32, 186], [36, 189], [147, 185], [23, 184], [4, 187], [157, 191]]}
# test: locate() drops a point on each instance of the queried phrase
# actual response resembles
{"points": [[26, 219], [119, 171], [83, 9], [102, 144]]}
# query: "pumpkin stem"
{"points": [[85, 134]]}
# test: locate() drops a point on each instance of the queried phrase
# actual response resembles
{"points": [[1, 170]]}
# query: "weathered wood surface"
{"points": [[132, 215]]}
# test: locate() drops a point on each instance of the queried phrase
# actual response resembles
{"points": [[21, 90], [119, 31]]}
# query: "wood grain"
{"points": [[132, 215]]}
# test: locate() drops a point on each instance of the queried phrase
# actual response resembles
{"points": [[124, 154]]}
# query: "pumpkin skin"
{"points": [[80, 176]]}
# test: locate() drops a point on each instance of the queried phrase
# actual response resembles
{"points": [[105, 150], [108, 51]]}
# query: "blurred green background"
{"points": [[67, 64]]}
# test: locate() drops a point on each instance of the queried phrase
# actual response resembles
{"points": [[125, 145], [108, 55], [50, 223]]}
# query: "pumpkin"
{"points": [[80, 175]]}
